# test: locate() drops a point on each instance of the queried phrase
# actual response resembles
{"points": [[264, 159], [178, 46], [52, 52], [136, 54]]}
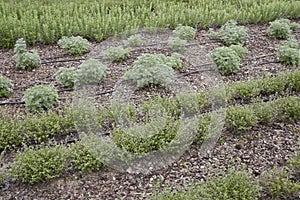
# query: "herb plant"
{"points": [[5, 86], [116, 54], [239, 50], [226, 59], [184, 32], [149, 70], [34, 166], [66, 77], [90, 72], [289, 53], [40, 98], [177, 44], [75, 46], [231, 33], [281, 28], [134, 41], [27, 60]]}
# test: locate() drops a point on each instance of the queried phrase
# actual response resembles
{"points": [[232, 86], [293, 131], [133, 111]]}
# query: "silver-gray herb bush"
{"points": [[40, 98], [75, 46]]}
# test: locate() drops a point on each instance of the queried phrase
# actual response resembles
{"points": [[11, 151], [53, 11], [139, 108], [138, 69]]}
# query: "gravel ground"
{"points": [[260, 148]]}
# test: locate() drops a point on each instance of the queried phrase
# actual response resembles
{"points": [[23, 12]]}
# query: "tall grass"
{"points": [[46, 21]]}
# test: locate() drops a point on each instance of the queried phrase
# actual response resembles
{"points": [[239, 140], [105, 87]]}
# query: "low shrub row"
{"points": [[14, 132], [36, 165], [237, 184], [234, 185], [282, 83], [34, 128]]}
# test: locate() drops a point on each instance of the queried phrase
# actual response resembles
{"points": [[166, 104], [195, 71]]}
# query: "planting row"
{"points": [[155, 69], [36, 128], [35, 165], [237, 184], [43, 22]]}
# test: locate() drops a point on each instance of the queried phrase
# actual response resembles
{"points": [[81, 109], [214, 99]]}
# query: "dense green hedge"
{"points": [[47, 21]]}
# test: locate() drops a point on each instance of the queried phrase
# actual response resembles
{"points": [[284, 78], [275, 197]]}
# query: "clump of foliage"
{"points": [[235, 185], [150, 70], [90, 72], [66, 76], [294, 164], [5, 86], [184, 32], [75, 46], [177, 44], [173, 61], [34, 166], [239, 50], [40, 98], [134, 41], [277, 184], [289, 52], [27, 60], [34, 128], [132, 142], [116, 54], [281, 28], [231, 33], [226, 59], [290, 109], [240, 118], [82, 160], [213, 34]]}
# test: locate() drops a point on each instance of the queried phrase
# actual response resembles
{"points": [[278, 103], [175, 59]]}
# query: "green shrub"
{"points": [[271, 85], [177, 44], [40, 98], [82, 159], [281, 28], [293, 80], [236, 185], [264, 112], [5, 86], [278, 185], [289, 53], [243, 90], [91, 72], [66, 76], [240, 118], [25, 59], [2, 177], [10, 133], [131, 142], [34, 128], [239, 50], [41, 127], [116, 54], [226, 59], [213, 34], [20, 46], [173, 61], [149, 70], [75, 46], [290, 108], [233, 34], [134, 41], [184, 32], [294, 164], [34, 166]]}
